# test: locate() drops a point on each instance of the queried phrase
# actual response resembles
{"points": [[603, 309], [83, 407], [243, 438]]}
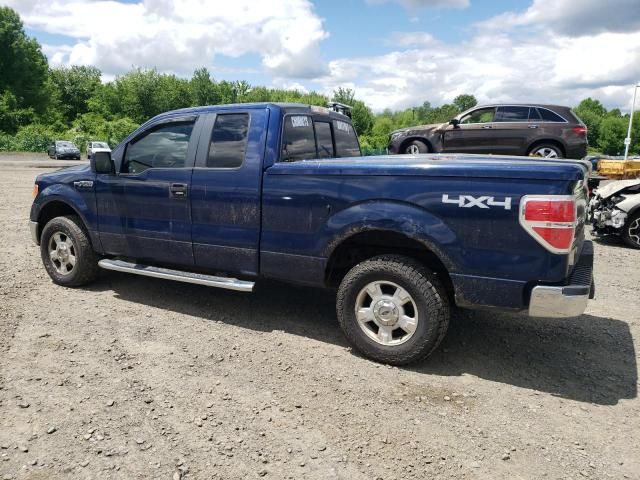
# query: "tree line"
{"points": [[39, 103]]}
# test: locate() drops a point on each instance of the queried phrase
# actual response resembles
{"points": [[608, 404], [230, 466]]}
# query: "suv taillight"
{"points": [[582, 131], [550, 219]]}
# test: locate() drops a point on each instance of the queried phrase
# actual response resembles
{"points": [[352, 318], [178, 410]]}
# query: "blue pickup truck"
{"points": [[225, 195]]}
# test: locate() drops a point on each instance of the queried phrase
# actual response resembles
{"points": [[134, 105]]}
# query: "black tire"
{"points": [[85, 269], [432, 305], [548, 146], [631, 231], [416, 144]]}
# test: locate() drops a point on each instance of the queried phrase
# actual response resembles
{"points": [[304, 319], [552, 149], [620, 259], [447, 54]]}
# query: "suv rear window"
{"points": [[346, 139], [549, 116]]}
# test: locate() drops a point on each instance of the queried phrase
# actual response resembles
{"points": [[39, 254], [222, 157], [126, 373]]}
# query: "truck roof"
{"points": [[285, 107]]}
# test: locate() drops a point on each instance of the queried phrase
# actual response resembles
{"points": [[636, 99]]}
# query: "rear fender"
{"points": [[407, 219]]}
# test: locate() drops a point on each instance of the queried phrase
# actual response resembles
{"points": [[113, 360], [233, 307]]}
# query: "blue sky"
{"points": [[394, 53]]}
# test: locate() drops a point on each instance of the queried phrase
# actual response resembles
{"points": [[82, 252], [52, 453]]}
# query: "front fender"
{"points": [[82, 203], [393, 216], [630, 204]]}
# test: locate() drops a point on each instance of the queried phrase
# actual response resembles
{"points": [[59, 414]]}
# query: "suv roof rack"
{"points": [[340, 108]]}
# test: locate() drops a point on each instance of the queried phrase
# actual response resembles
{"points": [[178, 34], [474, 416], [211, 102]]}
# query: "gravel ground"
{"points": [[143, 378]]}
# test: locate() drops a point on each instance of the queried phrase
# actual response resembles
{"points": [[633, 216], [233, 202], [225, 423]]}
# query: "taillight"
{"points": [[550, 219], [582, 131]]}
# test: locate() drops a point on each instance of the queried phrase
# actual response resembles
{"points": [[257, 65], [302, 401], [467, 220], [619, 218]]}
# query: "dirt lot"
{"points": [[140, 378]]}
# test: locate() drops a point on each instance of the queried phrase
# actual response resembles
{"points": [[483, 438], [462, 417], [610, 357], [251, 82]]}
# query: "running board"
{"points": [[177, 275]]}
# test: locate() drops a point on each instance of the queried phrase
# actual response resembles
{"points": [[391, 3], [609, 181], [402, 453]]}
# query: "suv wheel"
{"points": [[546, 151], [416, 147], [66, 252], [392, 309], [631, 232]]}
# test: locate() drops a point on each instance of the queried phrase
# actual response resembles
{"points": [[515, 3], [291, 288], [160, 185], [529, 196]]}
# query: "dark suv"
{"points": [[549, 131]]}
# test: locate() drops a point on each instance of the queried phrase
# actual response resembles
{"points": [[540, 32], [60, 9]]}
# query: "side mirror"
{"points": [[454, 121], [101, 162]]}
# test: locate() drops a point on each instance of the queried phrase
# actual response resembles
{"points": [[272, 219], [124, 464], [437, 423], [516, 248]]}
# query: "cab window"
{"points": [[324, 138], [346, 140], [482, 115], [163, 147], [228, 141], [298, 141]]}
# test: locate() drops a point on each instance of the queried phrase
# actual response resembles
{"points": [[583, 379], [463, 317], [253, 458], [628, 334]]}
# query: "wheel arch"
{"points": [[56, 207], [366, 243]]}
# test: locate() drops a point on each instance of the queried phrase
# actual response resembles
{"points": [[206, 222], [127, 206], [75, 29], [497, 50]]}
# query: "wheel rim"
{"points": [[545, 152], [413, 149], [386, 313], [634, 231], [62, 253]]}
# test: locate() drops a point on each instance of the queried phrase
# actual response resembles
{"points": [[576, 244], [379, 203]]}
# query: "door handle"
{"points": [[533, 126], [486, 127], [178, 190]]}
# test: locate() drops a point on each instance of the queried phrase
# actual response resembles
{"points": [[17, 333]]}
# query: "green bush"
{"points": [[33, 138]]}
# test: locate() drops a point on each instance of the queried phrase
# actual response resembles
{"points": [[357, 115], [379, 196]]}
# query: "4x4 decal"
{"points": [[469, 201]]}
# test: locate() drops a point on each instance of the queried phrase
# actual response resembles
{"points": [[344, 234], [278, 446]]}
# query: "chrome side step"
{"points": [[177, 275]]}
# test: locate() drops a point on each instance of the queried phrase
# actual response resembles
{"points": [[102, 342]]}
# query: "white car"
{"points": [[97, 146]]}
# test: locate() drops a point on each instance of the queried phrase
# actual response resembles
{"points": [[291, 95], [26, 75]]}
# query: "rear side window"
{"points": [[549, 116], [512, 114], [162, 147], [534, 115], [325, 140], [298, 141], [228, 141], [346, 139]]}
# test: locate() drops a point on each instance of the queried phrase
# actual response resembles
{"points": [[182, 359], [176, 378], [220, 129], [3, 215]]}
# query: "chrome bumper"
{"points": [[550, 301], [33, 227]]}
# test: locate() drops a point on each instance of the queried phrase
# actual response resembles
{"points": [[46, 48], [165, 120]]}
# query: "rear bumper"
{"points": [[565, 301]]}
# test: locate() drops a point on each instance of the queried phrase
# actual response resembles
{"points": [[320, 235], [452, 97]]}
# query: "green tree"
{"points": [[465, 102], [203, 88], [613, 130], [591, 112], [74, 87], [23, 70]]}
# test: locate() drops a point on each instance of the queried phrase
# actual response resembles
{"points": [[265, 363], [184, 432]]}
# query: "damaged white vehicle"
{"points": [[615, 209]]}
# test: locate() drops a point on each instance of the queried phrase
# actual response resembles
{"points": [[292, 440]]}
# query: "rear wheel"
{"points": [[66, 252], [392, 309], [631, 232], [415, 147], [546, 151]]}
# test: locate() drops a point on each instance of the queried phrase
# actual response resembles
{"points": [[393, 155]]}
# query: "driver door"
{"points": [[474, 133], [145, 209]]}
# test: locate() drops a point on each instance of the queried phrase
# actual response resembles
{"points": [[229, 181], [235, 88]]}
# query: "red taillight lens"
{"points": [[551, 220], [550, 211], [582, 131], [559, 238]]}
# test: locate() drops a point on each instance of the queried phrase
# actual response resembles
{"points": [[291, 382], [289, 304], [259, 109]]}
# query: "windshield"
{"points": [[66, 144], [100, 145]]}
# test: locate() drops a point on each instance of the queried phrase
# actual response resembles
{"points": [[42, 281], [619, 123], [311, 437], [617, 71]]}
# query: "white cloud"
{"points": [[506, 59], [576, 18], [416, 4], [180, 35]]}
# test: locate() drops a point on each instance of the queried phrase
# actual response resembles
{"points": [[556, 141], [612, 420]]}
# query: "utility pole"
{"points": [[627, 141]]}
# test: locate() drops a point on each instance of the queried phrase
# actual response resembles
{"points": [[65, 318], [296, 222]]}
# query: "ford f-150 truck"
{"points": [[225, 195]]}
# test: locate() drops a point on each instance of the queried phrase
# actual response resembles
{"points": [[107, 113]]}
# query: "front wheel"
{"points": [[631, 232], [546, 151], [392, 309], [66, 252], [416, 147]]}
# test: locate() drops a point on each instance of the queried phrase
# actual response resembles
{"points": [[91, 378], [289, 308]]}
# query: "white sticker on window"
{"points": [[299, 121], [344, 126]]}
